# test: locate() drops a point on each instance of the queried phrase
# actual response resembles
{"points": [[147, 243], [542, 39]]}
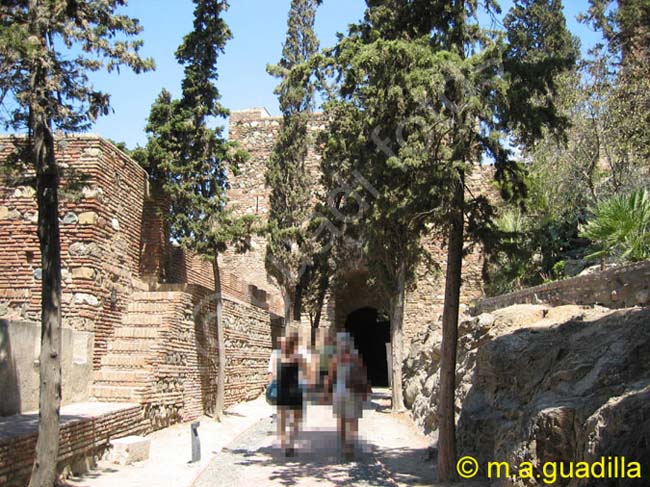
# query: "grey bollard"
{"points": [[196, 442]]}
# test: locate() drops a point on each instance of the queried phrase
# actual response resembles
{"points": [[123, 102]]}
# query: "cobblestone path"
{"points": [[390, 454]]}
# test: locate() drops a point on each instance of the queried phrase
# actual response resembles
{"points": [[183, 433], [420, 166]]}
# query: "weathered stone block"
{"points": [[4, 212], [70, 218], [80, 298], [129, 450], [10, 215], [91, 192], [24, 192], [83, 273], [88, 218]]}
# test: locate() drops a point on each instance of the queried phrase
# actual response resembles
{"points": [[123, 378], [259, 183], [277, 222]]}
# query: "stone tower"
{"points": [[351, 302]]}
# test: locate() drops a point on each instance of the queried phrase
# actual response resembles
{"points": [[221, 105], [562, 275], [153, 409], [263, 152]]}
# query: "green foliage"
{"points": [[532, 250], [603, 154], [414, 113], [624, 25], [540, 49], [286, 174], [67, 41], [620, 228], [185, 155]]}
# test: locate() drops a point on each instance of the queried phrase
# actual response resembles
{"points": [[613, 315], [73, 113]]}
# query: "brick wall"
{"points": [[101, 218], [82, 435], [146, 303], [165, 354], [250, 334], [155, 247], [256, 131], [619, 287], [114, 251]]}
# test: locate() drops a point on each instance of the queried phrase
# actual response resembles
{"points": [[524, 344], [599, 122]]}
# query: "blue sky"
{"points": [[258, 27]]}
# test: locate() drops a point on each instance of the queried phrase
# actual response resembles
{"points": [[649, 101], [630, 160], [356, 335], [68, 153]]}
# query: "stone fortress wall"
{"points": [[136, 310], [256, 131]]}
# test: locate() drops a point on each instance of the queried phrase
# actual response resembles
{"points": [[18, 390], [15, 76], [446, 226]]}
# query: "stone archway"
{"points": [[371, 332], [361, 312]]}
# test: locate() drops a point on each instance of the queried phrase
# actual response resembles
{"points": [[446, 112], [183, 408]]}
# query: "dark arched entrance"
{"points": [[371, 332]]}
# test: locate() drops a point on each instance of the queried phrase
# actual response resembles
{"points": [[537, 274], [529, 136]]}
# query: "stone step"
{"points": [[146, 307], [164, 296], [122, 377], [136, 332], [142, 319], [129, 450], [131, 359], [131, 345], [116, 393]]}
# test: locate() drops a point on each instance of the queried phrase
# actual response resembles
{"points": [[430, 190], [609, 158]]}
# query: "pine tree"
{"points": [[48, 48], [290, 198], [191, 160], [421, 100], [625, 26]]}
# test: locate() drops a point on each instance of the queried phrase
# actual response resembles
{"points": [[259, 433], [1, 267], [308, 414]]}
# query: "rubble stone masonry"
{"points": [[256, 131], [100, 218], [143, 301]]}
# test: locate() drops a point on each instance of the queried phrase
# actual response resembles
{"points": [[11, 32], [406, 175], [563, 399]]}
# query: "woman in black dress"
{"points": [[290, 394]]}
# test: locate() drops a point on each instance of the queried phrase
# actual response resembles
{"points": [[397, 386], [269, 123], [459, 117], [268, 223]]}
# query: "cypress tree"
{"points": [[48, 48], [286, 175], [191, 160], [421, 100]]}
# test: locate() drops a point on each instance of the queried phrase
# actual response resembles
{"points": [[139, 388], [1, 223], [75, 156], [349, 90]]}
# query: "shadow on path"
{"points": [[256, 461]]}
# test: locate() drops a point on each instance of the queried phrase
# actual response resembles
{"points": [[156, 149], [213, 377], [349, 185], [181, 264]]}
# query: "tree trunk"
{"points": [[447, 426], [322, 292], [221, 338], [297, 301], [396, 335], [42, 153], [288, 308]]}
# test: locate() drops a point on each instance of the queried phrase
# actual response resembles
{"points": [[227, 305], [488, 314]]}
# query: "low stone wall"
{"points": [[19, 374], [542, 384], [250, 334], [165, 354], [615, 288], [86, 431]]}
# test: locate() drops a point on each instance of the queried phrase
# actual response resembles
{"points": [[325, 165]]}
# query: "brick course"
{"points": [[147, 302], [82, 435]]}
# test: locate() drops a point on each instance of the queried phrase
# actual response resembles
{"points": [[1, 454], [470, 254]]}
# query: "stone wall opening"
{"points": [[371, 332]]}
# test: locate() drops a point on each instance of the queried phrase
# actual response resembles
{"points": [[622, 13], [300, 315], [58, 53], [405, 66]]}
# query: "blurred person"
{"points": [[326, 350], [306, 351], [290, 366], [349, 381]]}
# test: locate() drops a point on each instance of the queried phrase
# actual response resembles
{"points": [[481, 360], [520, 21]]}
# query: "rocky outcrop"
{"points": [[540, 384]]}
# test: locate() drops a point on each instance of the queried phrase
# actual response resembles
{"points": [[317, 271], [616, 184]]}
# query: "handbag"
{"points": [[272, 388], [272, 392]]}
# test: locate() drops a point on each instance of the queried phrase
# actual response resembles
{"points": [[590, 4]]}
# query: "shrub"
{"points": [[620, 228]]}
